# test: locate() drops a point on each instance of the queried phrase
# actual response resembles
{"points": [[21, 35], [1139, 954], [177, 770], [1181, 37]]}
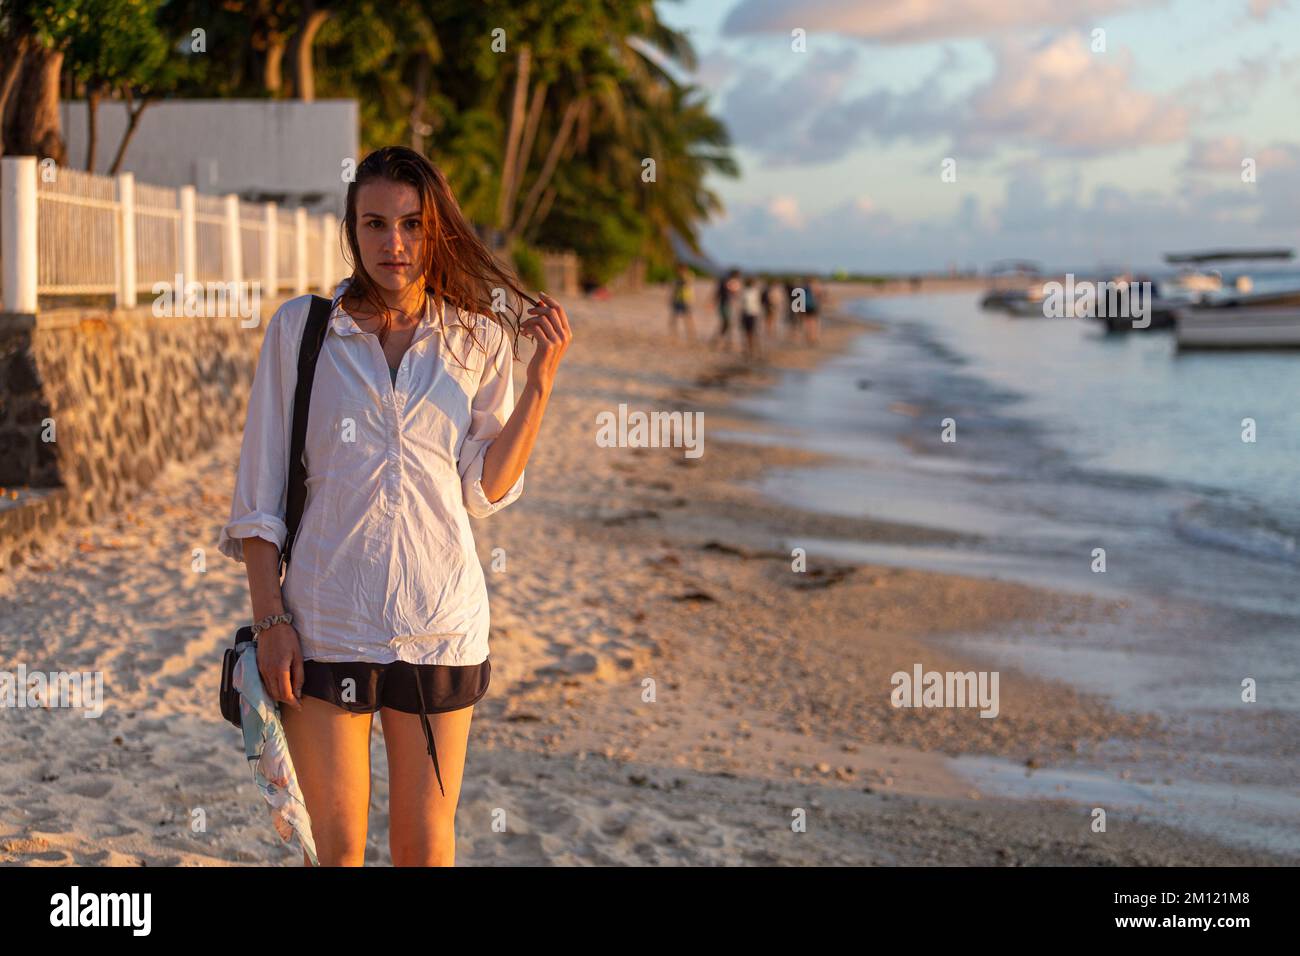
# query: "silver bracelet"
{"points": [[270, 621]]}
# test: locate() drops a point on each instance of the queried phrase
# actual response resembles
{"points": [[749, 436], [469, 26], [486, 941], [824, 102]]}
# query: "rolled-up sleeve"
{"points": [[490, 410], [259, 503]]}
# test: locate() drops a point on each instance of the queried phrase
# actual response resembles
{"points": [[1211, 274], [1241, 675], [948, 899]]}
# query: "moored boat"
{"points": [[1242, 327], [1011, 282], [1241, 316]]}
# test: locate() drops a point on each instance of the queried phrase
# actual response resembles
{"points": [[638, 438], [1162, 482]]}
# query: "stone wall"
{"points": [[126, 393]]}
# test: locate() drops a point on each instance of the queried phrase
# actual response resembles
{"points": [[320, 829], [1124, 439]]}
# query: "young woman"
{"points": [[413, 427]]}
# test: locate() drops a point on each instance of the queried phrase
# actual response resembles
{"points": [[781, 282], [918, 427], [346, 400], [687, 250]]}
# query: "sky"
{"points": [[902, 135]]}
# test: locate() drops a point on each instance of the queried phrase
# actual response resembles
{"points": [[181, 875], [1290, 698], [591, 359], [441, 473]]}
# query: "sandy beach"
{"points": [[625, 568]]}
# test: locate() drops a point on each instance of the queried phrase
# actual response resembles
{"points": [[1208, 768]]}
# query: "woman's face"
{"points": [[390, 233]]}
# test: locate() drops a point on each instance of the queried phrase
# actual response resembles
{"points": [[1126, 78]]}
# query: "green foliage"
{"points": [[528, 264], [131, 54], [600, 221], [605, 73], [661, 272]]}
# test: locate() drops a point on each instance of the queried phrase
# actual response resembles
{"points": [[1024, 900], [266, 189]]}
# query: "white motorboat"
{"points": [[1009, 284], [1029, 302], [1240, 316], [1247, 327]]}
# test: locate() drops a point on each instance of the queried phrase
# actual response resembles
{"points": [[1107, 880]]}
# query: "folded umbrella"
{"points": [[268, 753]]}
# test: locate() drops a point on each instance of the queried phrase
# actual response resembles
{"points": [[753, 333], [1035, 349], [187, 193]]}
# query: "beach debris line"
{"points": [[823, 577], [627, 516]]}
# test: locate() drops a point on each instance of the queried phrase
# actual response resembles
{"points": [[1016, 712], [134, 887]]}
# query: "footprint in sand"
{"points": [[51, 856], [94, 789]]}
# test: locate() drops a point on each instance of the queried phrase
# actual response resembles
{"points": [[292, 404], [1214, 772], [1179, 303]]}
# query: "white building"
{"points": [[283, 151]]}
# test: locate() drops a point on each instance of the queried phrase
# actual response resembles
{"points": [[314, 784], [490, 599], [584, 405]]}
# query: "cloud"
{"points": [[770, 113], [1215, 155], [916, 21], [1273, 196], [1059, 95], [714, 69], [1061, 227], [1224, 154], [1261, 9], [1228, 92], [1050, 95], [785, 210]]}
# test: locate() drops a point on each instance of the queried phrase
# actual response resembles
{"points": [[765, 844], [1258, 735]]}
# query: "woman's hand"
{"points": [[548, 327], [279, 661]]}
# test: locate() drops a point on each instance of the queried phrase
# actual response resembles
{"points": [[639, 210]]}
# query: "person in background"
{"points": [[727, 293], [795, 296], [683, 297], [812, 308], [770, 295], [751, 304]]}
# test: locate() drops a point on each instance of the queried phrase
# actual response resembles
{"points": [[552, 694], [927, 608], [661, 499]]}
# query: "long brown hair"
{"points": [[458, 267]]}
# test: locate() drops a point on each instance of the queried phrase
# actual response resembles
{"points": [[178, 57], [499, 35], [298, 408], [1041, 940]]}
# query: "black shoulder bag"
{"points": [[313, 336]]}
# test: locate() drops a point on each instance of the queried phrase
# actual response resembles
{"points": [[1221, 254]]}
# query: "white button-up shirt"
{"points": [[384, 566]]}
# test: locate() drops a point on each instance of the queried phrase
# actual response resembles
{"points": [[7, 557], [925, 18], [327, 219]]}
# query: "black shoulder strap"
{"points": [[313, 335]]}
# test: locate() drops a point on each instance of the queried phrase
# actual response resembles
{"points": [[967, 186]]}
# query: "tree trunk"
{"points": [[513, 133], [548, 169], [35, 129], [542, 211], [92, 125], [271, 80], [526, 149], [15, 52], [132, 121], [303, 69]]}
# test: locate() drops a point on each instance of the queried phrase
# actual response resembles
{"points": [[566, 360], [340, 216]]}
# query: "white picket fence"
{"points": [[65, 232]]}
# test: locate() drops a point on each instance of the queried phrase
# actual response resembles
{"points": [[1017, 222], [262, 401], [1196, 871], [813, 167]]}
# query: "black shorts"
{"points": [[443, 686], [748, 321], [410, 688]]}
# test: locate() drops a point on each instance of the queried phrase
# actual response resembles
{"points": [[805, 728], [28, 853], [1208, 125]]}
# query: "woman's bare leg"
{"points": [[421, 821], [330, 748]]}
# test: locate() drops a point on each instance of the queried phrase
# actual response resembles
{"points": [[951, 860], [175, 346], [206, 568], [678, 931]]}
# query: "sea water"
{"points": [[1066, 443]]}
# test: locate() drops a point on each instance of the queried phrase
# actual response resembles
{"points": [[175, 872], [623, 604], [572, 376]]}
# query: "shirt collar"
{"points": [[344, 324]]}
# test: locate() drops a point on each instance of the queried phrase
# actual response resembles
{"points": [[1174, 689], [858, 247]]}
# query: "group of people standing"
{"points": [[752, 303]]}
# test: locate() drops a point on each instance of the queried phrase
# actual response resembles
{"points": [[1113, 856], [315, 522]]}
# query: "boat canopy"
{"points": [[1222, 255]]}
